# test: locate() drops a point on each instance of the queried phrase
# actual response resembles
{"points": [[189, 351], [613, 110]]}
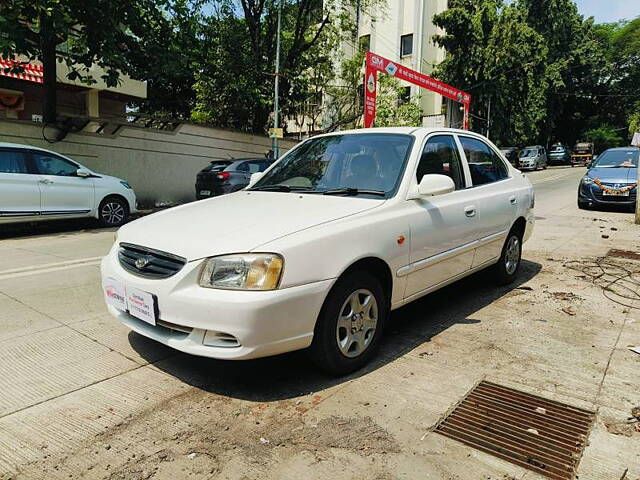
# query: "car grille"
{"points": [[149, 263], [599, 194]]}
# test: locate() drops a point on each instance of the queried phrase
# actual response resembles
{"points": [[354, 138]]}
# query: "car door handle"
{"points": [[513, 200], [45, 181], [470, 211]]}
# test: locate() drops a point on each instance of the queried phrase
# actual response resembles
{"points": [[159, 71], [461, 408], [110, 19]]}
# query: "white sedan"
{"points": [[37, 184], [319, 249]]}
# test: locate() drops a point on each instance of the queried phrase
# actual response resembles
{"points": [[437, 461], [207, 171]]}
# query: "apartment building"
{"points": [[404, 33]]}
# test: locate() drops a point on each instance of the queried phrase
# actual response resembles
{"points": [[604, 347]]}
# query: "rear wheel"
{"points": [[113, 212], [506, 269], [350, 324]]}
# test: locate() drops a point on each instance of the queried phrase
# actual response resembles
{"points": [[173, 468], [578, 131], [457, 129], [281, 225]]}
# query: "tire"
{"points": [[113, 212], [506, 270], [336, 347], [583, 205]]}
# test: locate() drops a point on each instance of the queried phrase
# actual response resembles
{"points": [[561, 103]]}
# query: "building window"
{"points": [[406, 45], [365, 43]]}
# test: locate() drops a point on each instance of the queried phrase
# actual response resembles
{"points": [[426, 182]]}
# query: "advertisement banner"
{"points": [[376, 63], [370, 94]]}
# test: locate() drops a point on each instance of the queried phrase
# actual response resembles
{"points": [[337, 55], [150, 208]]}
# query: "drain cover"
{"points": [[542, 435]]}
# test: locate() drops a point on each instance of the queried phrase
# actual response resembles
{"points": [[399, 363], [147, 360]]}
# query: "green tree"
{"points": [[391, 110], [107, 33], [603, 138], [497, 57], [235, 85]]}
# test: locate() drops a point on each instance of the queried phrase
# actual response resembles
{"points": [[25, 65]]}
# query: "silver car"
{"points": [[533, 158]]}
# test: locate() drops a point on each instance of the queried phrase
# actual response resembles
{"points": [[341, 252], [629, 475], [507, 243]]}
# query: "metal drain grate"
{"points": [[538, 434]]}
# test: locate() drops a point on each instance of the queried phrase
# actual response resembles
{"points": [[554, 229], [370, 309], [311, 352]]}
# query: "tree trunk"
{"points": [[48, 46]]}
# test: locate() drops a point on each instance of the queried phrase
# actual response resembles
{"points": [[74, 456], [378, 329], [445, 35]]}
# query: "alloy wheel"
{"points": [[512, 255], [357, 322], [112, 213]]}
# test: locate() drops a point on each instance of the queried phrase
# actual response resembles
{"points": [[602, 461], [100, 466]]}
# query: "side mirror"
{"points": [[254, 178], [432, 185], [83, 172]]}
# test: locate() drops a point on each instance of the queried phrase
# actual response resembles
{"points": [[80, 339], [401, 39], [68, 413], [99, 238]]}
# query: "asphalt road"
{"points": [[81, 396]]}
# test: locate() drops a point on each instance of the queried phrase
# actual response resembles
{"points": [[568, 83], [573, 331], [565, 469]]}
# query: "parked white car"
{"points": [[37, 184], [322, 246]]}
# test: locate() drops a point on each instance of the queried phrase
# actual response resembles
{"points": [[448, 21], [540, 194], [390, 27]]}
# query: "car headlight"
{"points": [[587, 180], [125, 184], [246, 271]]}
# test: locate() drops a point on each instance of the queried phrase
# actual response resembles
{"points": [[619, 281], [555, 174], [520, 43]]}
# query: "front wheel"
{"points": [[506, 269], [350, 324], [113, 212]]}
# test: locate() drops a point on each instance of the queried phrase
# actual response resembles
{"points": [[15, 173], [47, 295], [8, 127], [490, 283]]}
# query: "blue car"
{"points": [[611, 180]]}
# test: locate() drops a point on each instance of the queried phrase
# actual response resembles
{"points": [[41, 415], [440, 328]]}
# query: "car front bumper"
{"points": [[527, 164], [591, 194], [262, 323]]}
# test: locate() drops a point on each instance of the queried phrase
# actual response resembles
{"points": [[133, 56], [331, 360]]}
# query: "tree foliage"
{"points": [[111, 34], [551, 75]]}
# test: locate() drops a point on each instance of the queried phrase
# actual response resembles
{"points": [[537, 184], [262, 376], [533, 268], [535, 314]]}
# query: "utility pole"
{"points": [[489, 118], [274, 139]]}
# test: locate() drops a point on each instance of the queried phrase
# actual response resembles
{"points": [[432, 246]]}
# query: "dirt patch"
{"points": [[622, 428], [565, 296], [629, 255], [359, 434]]}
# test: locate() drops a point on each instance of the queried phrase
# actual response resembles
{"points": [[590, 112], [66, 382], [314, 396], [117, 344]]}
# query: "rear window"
{"points": [[216, 166]]}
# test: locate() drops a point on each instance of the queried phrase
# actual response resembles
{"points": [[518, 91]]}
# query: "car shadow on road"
{"points": [[292, 375]]}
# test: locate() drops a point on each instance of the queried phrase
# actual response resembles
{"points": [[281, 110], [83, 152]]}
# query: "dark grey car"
{"points": [[611, 180], [227, 176]]}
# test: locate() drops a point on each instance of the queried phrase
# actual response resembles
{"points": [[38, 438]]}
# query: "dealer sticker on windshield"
{"points": [[136, 302]]}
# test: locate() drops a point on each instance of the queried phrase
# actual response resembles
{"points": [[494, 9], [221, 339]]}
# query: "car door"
{"points": [[62, 192], [19, 192], [497, 199], [443, 228]]}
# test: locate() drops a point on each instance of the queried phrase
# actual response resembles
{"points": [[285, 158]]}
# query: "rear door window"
{"points": [[12, 161], [485, 165]]}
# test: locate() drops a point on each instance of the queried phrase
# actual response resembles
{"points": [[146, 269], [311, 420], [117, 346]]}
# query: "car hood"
{"points": [[614, 175], [238, 222]]}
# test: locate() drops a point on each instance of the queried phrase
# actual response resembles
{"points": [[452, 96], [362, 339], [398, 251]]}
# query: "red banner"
{"points": [[370, 94], [376, 63]]}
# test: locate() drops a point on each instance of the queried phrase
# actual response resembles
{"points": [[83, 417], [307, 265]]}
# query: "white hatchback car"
{"points": [[37, 184], [322, 246]]}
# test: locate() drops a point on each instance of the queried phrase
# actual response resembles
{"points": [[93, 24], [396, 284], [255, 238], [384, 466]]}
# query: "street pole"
{"points": [[638, 196], [489, 118], [274, 139]]}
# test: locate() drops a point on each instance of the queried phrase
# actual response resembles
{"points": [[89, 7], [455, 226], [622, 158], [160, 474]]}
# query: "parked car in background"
{"points": [[37, 184], [227, 176], [582, 154], [341, 230], [533, 158], [611, 179], [560, 155], [512, 155]]}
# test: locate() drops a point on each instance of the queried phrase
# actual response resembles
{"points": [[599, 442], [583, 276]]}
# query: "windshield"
{"points": [[558, 150], [618, 158], [361, 163], [529, 152]]}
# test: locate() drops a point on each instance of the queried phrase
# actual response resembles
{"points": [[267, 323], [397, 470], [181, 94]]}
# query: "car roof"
{"points": [[397, 130], [24, 147], [622, 149]]}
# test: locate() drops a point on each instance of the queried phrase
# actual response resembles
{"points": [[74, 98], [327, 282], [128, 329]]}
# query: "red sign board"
{"points": [[375, 63]]}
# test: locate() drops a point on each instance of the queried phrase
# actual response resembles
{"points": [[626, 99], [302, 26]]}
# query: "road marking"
{"points": [[49, 267]]}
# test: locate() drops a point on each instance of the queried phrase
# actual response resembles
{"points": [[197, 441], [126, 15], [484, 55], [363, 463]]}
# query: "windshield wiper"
{"points": [[279, 188], [353, 192]]}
